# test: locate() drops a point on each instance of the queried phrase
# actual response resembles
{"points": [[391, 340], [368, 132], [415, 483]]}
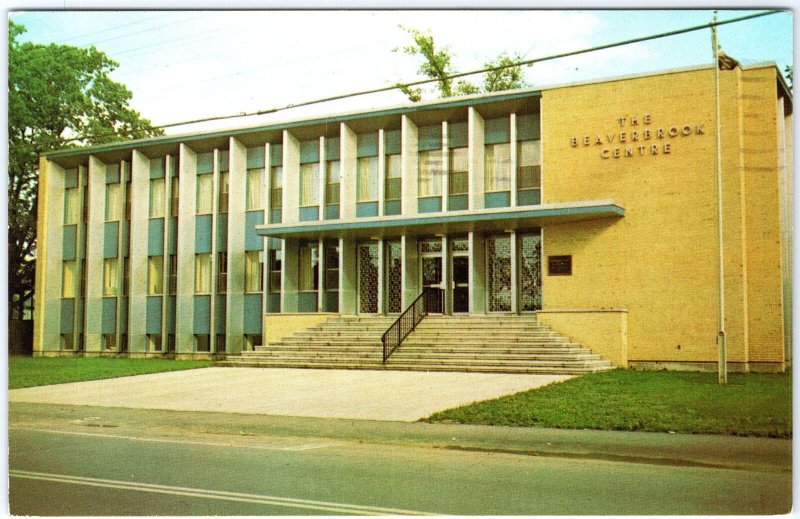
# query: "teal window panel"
{"points": [[219, 314], [529, 197], [157, 168], [123, 315], [457, 135], [69, 236], [126, 232], [112, 173], [224, 159], [332, 301], [67, 315], [170, 314], [430, 138], [252, 241], [172, 242], [309, 214], [173, 166], [528, 127], [392, 142], [202, 315], [332, 212], [275, 243], [109, 324], [367, 144], [497, 130], [255, 157], [309, 151], [431, 204], [205, 163], [222, 232], [252, 314], [275, 215], [111, 239], [307, 302], [153, 314], [332, 147], [274, 303], [71, 178], [155, 237], [457, 203], [276, 154], [499, 199], [365, 209], [202, 233], [391, 207]]}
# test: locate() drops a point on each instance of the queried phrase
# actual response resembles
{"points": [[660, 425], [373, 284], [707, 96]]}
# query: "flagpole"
{"points": [[722, 346]]}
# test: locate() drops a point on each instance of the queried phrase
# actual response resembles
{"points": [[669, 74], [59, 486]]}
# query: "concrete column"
{"points": [[347, 169], [513, 155], [234, 296], [265, 203], [291, 178], [94, 254], [348, 272], [381, 173], [322, 178], [410, 281], [514, 273], [477, 273], [165, 247], [212, 303], [409, 161], [447, 277], [49, 258], [321, 276], [289, 275], [381, 276], [184, 305], [137, 282], [475, 153], [445, 168], [122, 238]]}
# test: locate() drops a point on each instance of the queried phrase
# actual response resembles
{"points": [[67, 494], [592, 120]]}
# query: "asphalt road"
{"points": [[96, 470]]}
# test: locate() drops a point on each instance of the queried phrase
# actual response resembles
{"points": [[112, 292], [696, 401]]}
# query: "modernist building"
{"points": [[593, 205]]}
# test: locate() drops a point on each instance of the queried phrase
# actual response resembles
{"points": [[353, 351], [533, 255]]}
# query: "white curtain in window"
{"points": [[71, 207], [204, 192], [498, 167], [113, 202], [254, 189], [367, 179], [202, 274], [430, 173], [252, 272], [157, 198], [110, 277], [68, 279], [309, 184]]}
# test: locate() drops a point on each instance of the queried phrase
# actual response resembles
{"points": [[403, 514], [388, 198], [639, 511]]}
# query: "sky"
{"points": [[183, 65]]}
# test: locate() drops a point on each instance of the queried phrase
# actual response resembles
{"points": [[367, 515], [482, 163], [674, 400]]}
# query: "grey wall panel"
{"points": [[157, 168], [70, 233], [153, 318], [332, 145], [202, 314], [205, 163], [252, 313], [499, 199], [111, 239], [274, 303], [430, 138], [202, 233], [457, 202], [255, 157], [307, 301], [430, 204], [332, 212], [309, 214], [170, 314], [529, 197], [497, 131], [155, 236], [528, 127], [109, 315], [392, 207], [253, 241], [366, 209], [219, 314], [275, 154], [276, 216], [457, 136], [367, 144], [67, 315], [391, 141], [222, 232], [172, 242], [309, 151]]}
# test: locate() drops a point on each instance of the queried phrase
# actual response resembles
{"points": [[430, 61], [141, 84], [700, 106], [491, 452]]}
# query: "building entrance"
{"points": [[430, 252], [459, 266]]}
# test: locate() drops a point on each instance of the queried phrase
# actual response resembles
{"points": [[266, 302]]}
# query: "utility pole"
{"points": [[722, 347]]}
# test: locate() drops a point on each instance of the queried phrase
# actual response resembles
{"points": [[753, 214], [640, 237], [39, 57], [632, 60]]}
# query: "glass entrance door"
{"points": [[431, 274], [460, 283]]}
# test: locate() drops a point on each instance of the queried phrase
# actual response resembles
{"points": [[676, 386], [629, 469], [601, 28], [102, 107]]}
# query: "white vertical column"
{"points": [[514, 273], [137, 276], [410, 282], [184, 299], [348, 270], [409, 139], [321, 276], [347, 168], [122, 237], [381, 172], [447, 277], [165, 251], [266, 204], [514, 158], [322, 178], [94, 254], [291, 178], [477, 273], [234, 292], [475, 127], [381, 276], [445, 168], [212, 302]]}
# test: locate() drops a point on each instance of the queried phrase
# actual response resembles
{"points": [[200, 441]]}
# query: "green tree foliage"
{"points": [[58, 96], [437, 64], [789, 73]]}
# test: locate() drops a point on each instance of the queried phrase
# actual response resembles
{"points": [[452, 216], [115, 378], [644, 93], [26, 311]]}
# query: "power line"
{"points": [[108, 29], [398, 86]]}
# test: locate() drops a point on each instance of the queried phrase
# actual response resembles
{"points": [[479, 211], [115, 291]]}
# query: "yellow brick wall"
{"points": [[660, 261]]}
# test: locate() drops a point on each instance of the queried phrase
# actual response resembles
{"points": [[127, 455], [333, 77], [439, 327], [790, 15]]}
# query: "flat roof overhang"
{"points": [[454, 222]]}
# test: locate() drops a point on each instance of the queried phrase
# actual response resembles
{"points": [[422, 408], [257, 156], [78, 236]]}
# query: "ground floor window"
{"points": [[220, 346], [309, 266], [202, 342], [394, 277], [109, 342], [368, 278], [154, 342], [67, 341], [531, 272]]}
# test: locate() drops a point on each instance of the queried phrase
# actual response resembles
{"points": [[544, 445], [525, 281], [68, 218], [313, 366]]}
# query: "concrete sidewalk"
{"points": [[366, 395]]}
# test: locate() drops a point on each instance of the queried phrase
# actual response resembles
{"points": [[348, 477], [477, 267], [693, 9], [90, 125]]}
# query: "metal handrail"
{"points": [[429, 300]]}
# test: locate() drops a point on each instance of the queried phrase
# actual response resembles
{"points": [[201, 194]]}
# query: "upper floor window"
{"points": [[155, 275], [367, 190], [113, 201], [71, 205], [332, 181], [68, 279], [309, 184], [175, 191], [430, 173], [253, 271], [498, 167], [222, 203], [157, 198], [276, 187], [309, 263], [394, 173], [222, 272], [173, 274], [204, 193], [275, 260], [253, 189], [458, 175], [202, 274], [110, 277], [529, 165]]}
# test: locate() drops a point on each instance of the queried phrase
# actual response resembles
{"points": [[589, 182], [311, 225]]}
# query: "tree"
{"points": [[58, 95], [789, 73], [437, 65]]}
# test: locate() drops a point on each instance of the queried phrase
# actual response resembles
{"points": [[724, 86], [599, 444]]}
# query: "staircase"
{"points": [[488, 344]]}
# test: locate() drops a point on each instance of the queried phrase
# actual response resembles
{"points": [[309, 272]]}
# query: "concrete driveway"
{"points": [[368, 395]]}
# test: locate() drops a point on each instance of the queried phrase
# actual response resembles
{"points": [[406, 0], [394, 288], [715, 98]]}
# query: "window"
{"points": [[202, 342], [529, 169], [394, 173], [123, 342], [219, 347], [222, 272], [275, 259], [155, 275], [367, 179], [175, 190], [332, 266], [110, 277], [459, 171], [252, 271], [204, 188], [430, 173], [309, 184], [253, 189], [113, 202], [126, 276], [222, 203], [332, 181], [154, 342], [68, 279], [71, 206], [85, 209], [171, 343], [157, 198], [276, 187], [128, 199], [173, 273], [109, 341], [67, 341], [202, 274], [83, 277], [498, 167], [309, 263]]}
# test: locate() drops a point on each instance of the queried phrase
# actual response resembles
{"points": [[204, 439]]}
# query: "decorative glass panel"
{"points": [[367, 179], [531, 279], [394, 276], [498, 252], [460, 245], [498, 167], [430, 245], [430, 173], [368, 278]]}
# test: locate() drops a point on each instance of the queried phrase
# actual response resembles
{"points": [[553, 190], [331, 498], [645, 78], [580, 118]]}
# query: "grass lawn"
{"points": [[40, 371], [750, 405]]}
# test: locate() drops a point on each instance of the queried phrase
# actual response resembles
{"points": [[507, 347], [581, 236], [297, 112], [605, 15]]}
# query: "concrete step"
{"points": [[416, 367]]}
